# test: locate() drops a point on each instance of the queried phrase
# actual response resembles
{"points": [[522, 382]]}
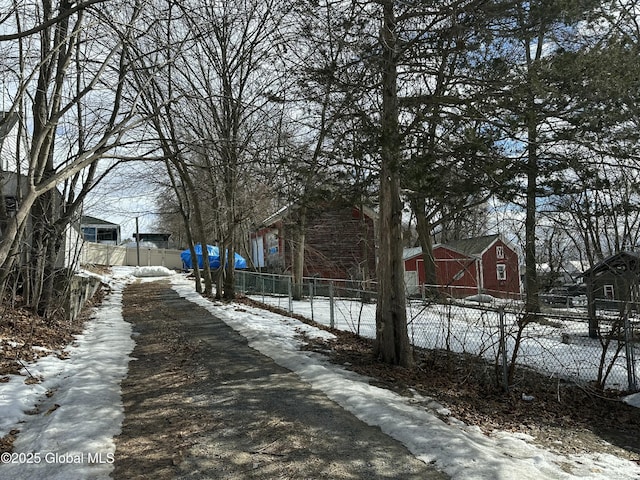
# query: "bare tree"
{"points": [[63, 74], [157, 56], [228, 71]]}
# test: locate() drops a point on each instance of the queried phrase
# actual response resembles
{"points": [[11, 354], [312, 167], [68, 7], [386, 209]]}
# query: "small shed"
{"points": [[612, 284], [614, 281], [99, 231], [486, 264]]}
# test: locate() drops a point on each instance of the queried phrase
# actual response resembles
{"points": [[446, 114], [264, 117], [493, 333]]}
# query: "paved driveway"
{"points": [[200, 403]]}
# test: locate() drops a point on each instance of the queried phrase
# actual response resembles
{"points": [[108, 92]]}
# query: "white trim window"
{"points": [[501, 271], [499, 252], [609, 292]]}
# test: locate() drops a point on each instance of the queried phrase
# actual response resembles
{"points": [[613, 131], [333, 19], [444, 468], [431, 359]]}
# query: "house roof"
{"points": [[86, 220], [408, 253], [619, 262], [274, 217], [466, 246], [153, 236], [575, 266], [471, 246]]}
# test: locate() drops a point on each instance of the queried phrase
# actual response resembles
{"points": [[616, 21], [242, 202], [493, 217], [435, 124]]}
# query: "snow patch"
{"points": [[153, 272], [76, 408], [460, 450], [633, 400]]}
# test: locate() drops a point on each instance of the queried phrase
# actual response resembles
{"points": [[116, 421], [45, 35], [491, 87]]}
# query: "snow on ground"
{"points": [[153, 272], [460, 450], [77, 441], [633, 400], [469, 330]]}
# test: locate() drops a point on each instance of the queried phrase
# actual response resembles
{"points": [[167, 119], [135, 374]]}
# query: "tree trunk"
{"points": [[423, 228], [297, 253], [12, 237], [227, 265], [220, 271], [392, 340], [55, 243], [183, 202], [230, 269], [13, 256], [532, 304], [197, 214]]}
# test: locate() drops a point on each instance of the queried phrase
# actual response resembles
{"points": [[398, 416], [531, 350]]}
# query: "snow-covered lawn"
{"points": [[75, 440], [559, 348]]}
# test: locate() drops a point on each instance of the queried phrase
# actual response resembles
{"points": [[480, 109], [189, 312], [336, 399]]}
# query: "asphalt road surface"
{"points": [[201, 404]]}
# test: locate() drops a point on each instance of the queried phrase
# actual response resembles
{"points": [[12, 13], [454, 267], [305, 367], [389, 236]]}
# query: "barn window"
{"points": [[608, 292], [11, 205], [501, 271], [499, 252]]}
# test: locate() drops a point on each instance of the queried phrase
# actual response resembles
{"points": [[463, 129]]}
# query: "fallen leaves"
{"points": [[26, 337], [6, 442], [52, 409], [584, 420]]}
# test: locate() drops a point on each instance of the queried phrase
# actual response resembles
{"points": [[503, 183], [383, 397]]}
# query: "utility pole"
{"points": [[137, 244]]}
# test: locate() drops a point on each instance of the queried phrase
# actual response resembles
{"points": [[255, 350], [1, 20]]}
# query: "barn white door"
{"points": [[411, 283]]}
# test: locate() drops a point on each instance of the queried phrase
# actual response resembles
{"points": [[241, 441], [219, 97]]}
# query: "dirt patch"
{"points": [[25, 336]]}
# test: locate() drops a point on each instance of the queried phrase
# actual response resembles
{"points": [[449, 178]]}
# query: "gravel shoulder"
{"points": [[200, 403]]}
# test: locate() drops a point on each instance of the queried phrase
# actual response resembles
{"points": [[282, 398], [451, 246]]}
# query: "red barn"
{"points": [[487, 265], [339, 242]]}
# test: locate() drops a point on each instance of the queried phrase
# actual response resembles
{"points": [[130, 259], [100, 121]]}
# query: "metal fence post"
{"points": [[503, 350], [331, 313], [290, 294], [629, 350], [311, 293], [363, 295]]}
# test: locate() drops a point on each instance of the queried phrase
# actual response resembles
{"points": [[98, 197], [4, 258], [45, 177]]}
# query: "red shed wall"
{"points": [[492, 285], [451, 264], [414, 264]]}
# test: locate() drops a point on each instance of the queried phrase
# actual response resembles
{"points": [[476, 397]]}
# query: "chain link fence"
{"points": [[555, 343]]}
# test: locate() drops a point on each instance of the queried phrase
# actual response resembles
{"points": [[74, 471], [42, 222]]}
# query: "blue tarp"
{"points": [[214, 258]]}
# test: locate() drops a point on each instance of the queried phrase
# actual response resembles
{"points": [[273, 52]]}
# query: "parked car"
{"points": [[567, 295]]}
